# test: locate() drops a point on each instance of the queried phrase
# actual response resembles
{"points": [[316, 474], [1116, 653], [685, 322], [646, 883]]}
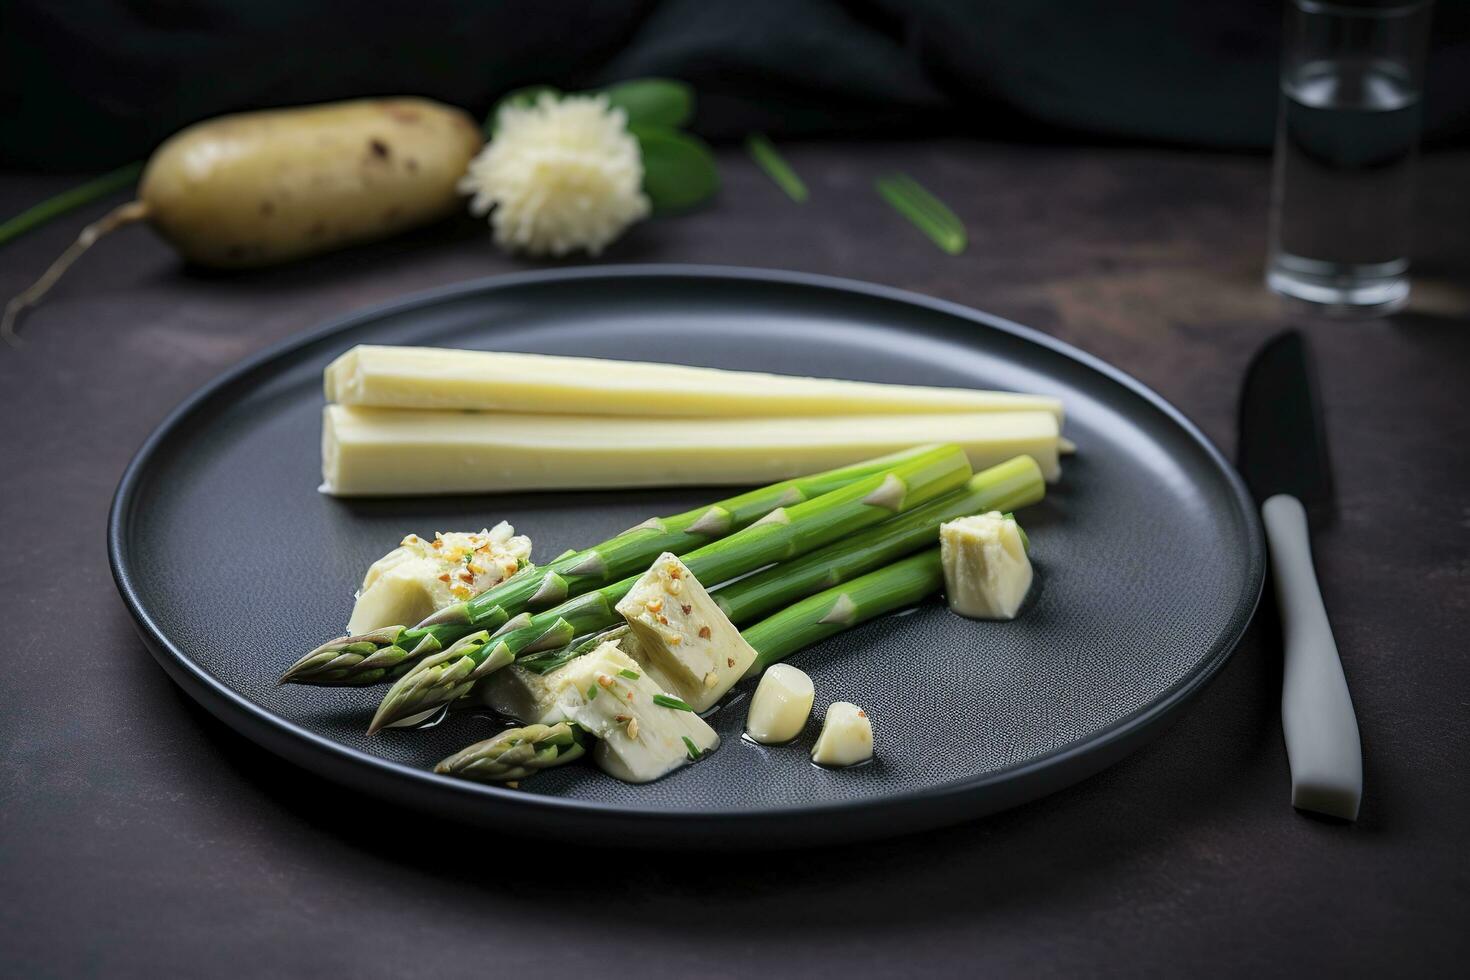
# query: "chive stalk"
{"points": [[764, 153], [929, 214], [69, 200]]}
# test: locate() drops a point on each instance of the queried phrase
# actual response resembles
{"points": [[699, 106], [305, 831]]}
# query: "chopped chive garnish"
{"points": [[775, 166], [632, 675], [592, 693], [665, 701], [692, 749], [929, 214]]}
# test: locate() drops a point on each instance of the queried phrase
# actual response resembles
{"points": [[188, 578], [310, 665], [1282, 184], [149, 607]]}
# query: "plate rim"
{"points": [[850, 819]]}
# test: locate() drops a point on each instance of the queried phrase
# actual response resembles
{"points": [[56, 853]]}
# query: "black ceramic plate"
{"points": [[1148, 555]]}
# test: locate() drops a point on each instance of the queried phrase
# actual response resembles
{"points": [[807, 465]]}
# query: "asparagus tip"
{"points": [[348, 660], [515, 753]]}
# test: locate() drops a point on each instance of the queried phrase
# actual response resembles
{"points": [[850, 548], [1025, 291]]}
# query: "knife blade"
{"points": [[1283, 440], [1283, 457]]}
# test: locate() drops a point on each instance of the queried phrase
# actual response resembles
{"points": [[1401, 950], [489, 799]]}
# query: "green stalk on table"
{"points": [[768, 159], [783, 534], [69, 200], [927, 213], [388, 653]]}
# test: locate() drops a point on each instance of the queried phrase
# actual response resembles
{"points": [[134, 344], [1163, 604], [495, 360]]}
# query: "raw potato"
{"points": [[682, 631], [383, 451], [258, 188], [781, 705], [986, 570], [262, 187], [847, 736], [430, 377]]}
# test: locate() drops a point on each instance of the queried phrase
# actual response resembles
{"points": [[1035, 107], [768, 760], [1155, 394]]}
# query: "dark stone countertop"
{"points": [[138, 836]]}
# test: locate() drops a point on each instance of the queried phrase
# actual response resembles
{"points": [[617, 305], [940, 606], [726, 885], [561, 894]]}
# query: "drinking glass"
{"points": [[1347, 135]]}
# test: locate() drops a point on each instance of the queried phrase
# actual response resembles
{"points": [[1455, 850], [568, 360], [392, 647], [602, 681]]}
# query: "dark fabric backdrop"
{"points": [[90, 83]]}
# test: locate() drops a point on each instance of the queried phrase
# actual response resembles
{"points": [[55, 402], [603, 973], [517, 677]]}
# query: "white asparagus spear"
{"points": [[437, 378], [375, 451]]}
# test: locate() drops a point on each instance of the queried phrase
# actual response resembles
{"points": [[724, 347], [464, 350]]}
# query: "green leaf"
{"points": [[520, 98], [678, 169], [928, 213], [775, 166], [652, 101]]}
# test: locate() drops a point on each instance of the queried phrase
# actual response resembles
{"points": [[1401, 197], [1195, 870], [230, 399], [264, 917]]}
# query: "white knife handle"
{"points": [[1316, 709]]}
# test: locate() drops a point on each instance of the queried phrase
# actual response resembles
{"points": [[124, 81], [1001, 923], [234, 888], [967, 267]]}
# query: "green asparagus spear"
{"points": [[516, 753], [784, 533], [828, 613], [388, 653], [1006, 486]]}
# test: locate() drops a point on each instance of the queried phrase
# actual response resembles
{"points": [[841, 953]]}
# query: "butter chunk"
{"points": [[683, 632], [420, 576], [640, 735], [781, 705], [847, 736], [532, 698], [986, 571]]}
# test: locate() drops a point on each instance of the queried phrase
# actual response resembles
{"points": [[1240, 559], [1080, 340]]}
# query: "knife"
{"points": [[1283, 457]]}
